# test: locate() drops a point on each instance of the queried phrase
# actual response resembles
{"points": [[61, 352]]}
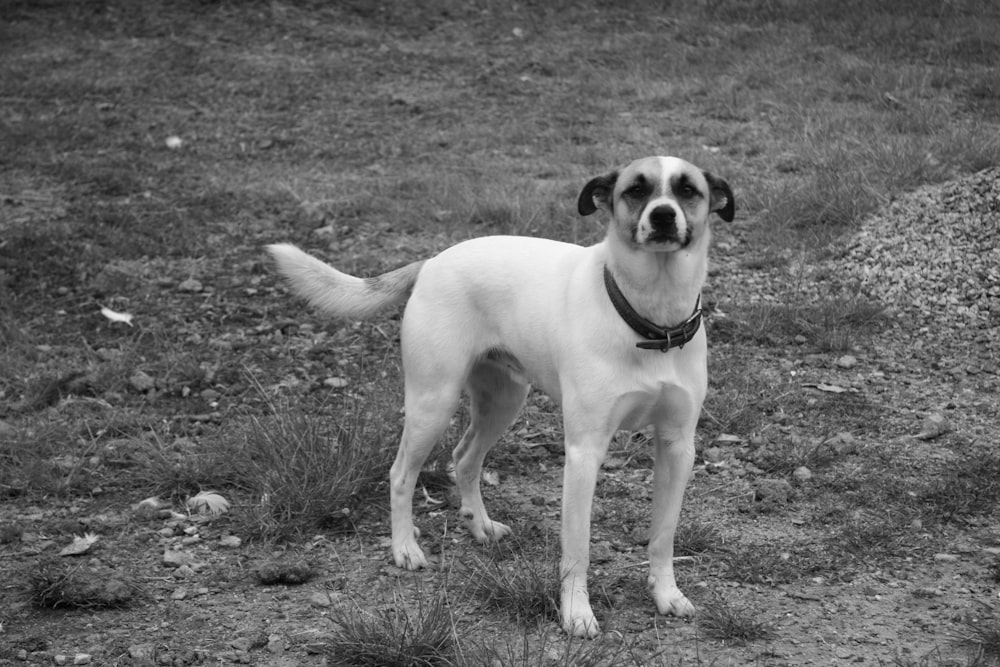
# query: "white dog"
{"points": [[613, 332]]}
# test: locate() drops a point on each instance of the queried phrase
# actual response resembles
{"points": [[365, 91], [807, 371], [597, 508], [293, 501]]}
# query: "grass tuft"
{"points": [[981, 635], [732, 622], [54, 585], [968, 487], [525, 589], [287, 573], [393, 635]]}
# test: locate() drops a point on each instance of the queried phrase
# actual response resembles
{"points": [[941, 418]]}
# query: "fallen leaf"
{"points": [[116, 316], [208, 502], [79, 545], [491, 477]]}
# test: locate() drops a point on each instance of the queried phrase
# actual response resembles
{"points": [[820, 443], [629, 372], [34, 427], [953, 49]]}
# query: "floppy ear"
{"points": [[721, 198], [597, 191]]}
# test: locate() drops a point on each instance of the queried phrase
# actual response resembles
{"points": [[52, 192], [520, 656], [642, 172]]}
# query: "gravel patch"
{"points": [[932, 255]]}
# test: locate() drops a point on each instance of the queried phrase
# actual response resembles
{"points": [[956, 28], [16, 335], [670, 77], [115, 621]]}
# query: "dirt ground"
{"points": [[844, 501]]}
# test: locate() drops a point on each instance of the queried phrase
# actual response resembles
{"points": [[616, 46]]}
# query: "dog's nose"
{"points": [[663, 218]]}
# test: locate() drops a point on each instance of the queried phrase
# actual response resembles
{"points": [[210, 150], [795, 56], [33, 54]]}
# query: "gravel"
{"points": [[931, 255]]}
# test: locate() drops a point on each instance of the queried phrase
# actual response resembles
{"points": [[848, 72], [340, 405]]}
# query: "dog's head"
{"points": [[659, 203]]}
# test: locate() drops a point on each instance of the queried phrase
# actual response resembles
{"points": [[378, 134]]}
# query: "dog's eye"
{"points": [[637, 190], [688, 190]]}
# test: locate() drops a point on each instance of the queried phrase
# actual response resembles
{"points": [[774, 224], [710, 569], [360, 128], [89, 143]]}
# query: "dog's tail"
{"points": [[337, 293]]}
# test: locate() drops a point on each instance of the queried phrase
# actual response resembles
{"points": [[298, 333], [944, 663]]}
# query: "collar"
{"points": [[657, 337]]}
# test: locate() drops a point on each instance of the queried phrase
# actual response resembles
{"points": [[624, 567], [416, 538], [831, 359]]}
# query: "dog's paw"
{"points": [[408, 555], [582, 625], [673, 603], [488, 530]]}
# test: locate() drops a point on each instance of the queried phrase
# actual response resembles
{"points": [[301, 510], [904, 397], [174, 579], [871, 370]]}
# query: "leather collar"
{"points": [[657, 337]]}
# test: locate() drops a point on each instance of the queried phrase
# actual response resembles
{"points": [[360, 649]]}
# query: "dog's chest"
{"points": [[664, 398]]}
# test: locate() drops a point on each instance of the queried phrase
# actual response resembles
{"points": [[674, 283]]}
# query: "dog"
{"points": [[613, 332]]}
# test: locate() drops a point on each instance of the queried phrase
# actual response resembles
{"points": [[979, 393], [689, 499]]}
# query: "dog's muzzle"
{"points": [[664, 228]]}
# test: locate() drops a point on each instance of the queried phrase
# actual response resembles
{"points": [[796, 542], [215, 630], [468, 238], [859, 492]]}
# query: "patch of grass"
{"points": [[48, 457], [832, 325], [757, 564], [694, 538], [866, 538], [981, 634], [393, 635], [732, 622], [306, 471], [966, 488], [523, 588], [285, 572], [55, 584]]}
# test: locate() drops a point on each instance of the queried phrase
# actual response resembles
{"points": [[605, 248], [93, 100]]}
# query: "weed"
{"points": [[981, 634], [732, 622], [393, 635], [755, 564], [831, 325], [284, 572], [696, 538], [54, 585], [525, 589], [306, 472], [968, 487]]}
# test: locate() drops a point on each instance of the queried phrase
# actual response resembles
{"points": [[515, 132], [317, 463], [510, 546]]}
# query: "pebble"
{"points": [[802, 474], [847, 361], [946, 558], [191, 285], [141, 381]]}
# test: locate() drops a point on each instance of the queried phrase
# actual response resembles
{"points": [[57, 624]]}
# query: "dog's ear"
{"points": [[721, 197], [597, 191]]}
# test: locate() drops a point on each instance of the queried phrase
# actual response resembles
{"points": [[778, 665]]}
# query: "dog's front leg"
{"points": [[671, 472], [584, 455]]}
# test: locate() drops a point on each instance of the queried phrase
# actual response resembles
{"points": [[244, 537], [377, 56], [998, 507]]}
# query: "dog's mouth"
{"points": [[671, 238]]}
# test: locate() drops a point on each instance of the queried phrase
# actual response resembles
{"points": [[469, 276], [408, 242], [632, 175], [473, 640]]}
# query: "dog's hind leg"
{"points": [[428, 411], [497, 396]]}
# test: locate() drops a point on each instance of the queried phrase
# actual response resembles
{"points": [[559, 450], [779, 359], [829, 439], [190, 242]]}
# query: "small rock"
{"points": [[728, 439], [934, 425], [173, 558], [82, 659], [335, 383], [242, 644], [191, 285], [847, 361], [148, 509], [142, 651], [230, 541], [843, 443], [321, 599], [211, 395], [60, 659], [275, 644], [946, 558], [600, 553], [179, 594], [802, 474], [183, 572], [141, 381], [713, 454], [772, 491]]}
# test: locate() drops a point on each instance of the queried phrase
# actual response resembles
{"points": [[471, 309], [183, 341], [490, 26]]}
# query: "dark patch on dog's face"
{"points": [[637, 192]]}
